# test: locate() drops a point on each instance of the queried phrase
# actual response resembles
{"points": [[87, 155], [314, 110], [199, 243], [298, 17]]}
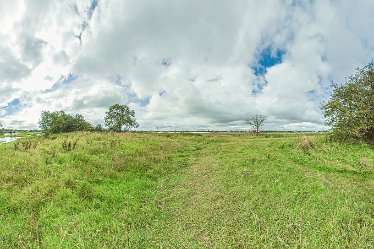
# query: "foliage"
{"points": [[59, 121], [1, 129], [256, 121], [98, 128], [350, 110], [120, 117]]}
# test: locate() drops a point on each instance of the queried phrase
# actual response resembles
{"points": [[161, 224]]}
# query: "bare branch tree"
{"points": [[256, 121]]}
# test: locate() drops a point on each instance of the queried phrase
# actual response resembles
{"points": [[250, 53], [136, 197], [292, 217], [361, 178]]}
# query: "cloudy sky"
{"points": [[180, 64]]}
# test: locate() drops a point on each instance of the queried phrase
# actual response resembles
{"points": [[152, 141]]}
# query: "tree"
{"points": [[98, 128], [120, 118], [1, 129], [59, 121], [80, 124], [350, 109], [256, 121]]}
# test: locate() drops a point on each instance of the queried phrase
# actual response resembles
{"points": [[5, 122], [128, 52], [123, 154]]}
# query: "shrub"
{"points": [[350, 110]]}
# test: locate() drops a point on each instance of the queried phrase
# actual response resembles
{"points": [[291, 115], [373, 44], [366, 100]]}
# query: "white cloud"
{"points": [[179, 64]]}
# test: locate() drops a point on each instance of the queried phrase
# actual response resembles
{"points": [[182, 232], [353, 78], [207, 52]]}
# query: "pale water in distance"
{"points": [[7, 139]]}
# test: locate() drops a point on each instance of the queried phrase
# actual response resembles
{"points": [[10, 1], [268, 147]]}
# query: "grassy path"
{"points": [[251, 194], [197, 205], [134, 190]]}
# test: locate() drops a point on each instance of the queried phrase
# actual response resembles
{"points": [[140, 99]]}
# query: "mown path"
{"points": [[251, 195], [201, 208]]}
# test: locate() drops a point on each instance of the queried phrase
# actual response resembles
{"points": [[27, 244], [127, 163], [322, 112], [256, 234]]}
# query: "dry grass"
{"points": [[306, 145]]}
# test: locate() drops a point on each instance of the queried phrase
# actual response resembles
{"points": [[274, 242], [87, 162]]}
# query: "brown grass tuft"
{"points": [[306, 144]]}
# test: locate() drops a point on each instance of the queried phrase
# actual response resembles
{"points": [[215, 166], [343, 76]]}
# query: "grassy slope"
{"points": [[174, 190]]}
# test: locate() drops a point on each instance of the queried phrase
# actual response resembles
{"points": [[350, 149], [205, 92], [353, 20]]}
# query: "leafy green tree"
{"points": [[59, 121], [98, 128], [80, 124], [256, 121], [120, 118], [350, 109], [1, 129]]}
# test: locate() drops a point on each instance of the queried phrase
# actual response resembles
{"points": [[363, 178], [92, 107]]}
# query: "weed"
{"points": [[70, 183], [306, 144], [85, 191], [118, 162], [25, 145], [69, 145], [114, 143], [16, 145], [365, 164]]}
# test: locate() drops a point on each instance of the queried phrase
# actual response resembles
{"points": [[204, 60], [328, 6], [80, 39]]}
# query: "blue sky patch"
{"points": [[62, 81], [312, 95], [145, 101], [92, 8], [12, 107], [267, 58]]}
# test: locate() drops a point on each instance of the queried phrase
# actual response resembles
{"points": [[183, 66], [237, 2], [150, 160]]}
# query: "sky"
{"points": [[181, 65]]}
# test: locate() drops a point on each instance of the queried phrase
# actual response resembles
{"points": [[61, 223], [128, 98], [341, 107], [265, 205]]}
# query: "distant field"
{"points": [[147, 190]]}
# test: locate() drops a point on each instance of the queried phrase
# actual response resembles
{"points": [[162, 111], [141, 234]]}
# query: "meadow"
{"points": [[149, 190]]}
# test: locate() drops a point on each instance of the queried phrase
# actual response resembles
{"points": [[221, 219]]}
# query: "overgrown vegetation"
{"points": [[144, 190], [59, 121], [350, 110]]}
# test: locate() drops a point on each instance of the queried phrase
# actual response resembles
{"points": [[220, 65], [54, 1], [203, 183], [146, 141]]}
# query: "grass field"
{"points": [[144, 190]]}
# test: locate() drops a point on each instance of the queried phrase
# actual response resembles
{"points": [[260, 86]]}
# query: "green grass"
{"points": [[144, 190]]}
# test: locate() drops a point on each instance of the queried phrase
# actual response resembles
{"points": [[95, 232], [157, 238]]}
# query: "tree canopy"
{"points": [[350, 109], [59, 121], [120, 118], [256, 121]]}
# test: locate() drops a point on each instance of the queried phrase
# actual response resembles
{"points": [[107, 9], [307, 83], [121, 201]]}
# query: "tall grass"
{"points": [[143, 190]]}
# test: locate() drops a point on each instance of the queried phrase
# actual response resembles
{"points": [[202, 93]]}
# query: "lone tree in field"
{"points": [[350, 110], [120, 118], [256, 121], [1, 128]]}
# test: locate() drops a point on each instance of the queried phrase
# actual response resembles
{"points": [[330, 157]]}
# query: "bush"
{"points": [[57, 122], [350, 110]]}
